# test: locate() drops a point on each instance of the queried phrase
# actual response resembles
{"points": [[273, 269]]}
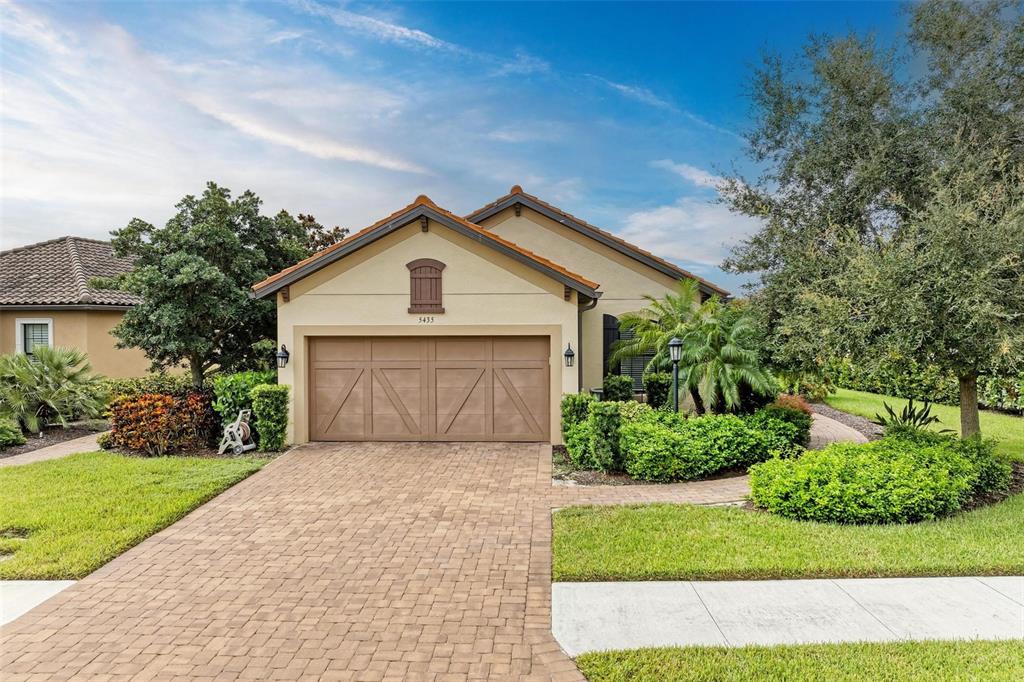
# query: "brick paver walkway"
{"points": [[346, 561]]}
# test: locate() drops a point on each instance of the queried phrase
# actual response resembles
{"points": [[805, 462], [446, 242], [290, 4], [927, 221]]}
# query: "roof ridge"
{"points": [[424, 200], [77, 271], [55, 240], [518, 191]]}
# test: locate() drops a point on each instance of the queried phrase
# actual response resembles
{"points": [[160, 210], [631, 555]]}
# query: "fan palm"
{"points": [[55, 384]]}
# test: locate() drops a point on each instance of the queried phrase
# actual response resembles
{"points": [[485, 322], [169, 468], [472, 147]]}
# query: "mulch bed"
{"points": [[49, 436], [868, 428]]}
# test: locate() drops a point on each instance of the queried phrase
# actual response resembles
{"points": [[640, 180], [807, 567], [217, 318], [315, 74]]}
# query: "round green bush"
{"points": [[898, 479], [10, 434], [617, 388]]}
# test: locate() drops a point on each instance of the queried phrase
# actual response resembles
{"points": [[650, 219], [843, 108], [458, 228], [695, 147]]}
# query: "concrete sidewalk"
{"points": [[628, 615], [21, 596], [68, 447]]}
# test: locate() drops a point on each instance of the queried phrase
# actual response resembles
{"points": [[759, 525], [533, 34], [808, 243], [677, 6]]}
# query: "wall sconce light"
{"points": [[570, 355], [282, 357]]}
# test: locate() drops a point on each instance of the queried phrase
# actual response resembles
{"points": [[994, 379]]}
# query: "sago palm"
{"points": [[719, 360]]}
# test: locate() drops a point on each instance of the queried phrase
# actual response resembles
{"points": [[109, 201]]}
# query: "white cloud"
{"points": [[378, 29], [636, 92], [697, 176], [523, 64], [691, 230]]}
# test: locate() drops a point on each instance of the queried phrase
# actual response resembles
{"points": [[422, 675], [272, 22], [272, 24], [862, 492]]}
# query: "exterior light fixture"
{"points": [[570, 355], [675, 350], [282, 357]]}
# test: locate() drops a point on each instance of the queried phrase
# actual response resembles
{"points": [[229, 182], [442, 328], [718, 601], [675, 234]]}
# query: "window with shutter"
{"points": [[425, 285]]}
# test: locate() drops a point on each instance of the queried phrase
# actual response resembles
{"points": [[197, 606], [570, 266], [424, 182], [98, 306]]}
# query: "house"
{"points": [[46, 300], [431, 326]]}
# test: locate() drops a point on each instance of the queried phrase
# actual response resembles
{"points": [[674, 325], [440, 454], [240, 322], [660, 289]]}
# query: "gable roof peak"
{"points": [[424, 200], [516, 189]]}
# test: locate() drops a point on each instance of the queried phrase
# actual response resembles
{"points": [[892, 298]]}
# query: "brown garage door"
{"points": [[461, 388]]}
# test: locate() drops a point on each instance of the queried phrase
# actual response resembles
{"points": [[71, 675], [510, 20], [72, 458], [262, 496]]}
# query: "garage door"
{"points": [[460, 388]]}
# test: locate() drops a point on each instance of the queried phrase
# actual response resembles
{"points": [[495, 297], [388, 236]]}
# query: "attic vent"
{"points": [[425, 285]]}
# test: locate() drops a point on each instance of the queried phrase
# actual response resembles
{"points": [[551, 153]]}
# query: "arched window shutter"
{"points": [[425, 285]]}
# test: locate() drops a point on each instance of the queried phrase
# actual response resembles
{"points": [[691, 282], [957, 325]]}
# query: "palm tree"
{"points": [[719, 363], [652, 327], [718, 358], [54, 384]]}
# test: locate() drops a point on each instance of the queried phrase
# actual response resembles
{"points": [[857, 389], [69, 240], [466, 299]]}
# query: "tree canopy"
{"points": [[194, 276], [892, 203]]}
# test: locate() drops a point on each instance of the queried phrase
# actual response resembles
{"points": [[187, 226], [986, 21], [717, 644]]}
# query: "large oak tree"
{"points": [[892, 203]]}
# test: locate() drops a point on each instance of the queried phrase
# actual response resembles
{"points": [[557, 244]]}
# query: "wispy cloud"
{"points": [[523, 64], [375, 28], [697, 176], [636, 92]]}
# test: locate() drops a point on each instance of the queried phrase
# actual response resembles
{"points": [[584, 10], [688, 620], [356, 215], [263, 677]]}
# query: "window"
{"points": [[425, 286], [32, 333], [630, 367]]}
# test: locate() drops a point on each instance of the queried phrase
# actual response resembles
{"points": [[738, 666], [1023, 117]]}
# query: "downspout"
{"points": [[579, 337]]}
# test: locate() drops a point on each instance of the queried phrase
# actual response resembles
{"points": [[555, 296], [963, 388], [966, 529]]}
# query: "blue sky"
{"points": [[623, 114]]}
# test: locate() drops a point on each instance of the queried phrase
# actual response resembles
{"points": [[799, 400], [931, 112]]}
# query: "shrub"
{"points": [[575, 408], [617, 388], [630, 410], [664, 446], [798, 418], [794, 402], [105, 441], [604, 423], [232, 393], [270, 409], [658, 386], [54, 385], [779, 436], [159, 424], [905, 478], [577, 444], [10, 434], [174, 385]]}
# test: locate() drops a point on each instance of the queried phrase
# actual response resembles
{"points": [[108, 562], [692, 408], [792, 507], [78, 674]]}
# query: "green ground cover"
{"points": [[64, 518]]}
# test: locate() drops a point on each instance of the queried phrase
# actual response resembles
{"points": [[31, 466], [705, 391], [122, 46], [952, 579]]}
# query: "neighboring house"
{"points": [[46, 300], [430, 326]]}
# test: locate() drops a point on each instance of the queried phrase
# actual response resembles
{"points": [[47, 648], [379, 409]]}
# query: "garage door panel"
{"points": [[392, 388], [338, 402]]}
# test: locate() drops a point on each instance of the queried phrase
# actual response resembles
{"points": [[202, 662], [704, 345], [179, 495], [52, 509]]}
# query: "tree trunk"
{"points": [[970, 422], [198, 375], [698, 403]]}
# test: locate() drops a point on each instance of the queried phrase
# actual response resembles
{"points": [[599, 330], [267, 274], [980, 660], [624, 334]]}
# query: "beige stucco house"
{"points": [[430, 326], [45, 299]]}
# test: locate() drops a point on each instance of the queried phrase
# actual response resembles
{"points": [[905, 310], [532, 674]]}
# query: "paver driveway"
{"points": [[344, 561]]}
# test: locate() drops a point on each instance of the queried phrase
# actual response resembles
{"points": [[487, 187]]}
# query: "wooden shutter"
{"points": [[425, 285]]}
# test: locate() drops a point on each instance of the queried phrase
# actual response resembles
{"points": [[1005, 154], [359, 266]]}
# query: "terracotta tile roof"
{"points": [[517, 190], [57, 272], [424, 200]]}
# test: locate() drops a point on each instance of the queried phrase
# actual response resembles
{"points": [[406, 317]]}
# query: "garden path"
{"points": [[68, 447]]}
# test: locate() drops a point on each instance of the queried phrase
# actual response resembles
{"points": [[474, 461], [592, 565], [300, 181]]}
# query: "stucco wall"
{"points": [[623, 280], [88, 330], [367, 294]]}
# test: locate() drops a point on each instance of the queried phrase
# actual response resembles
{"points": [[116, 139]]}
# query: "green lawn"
{"points": [[684, 542], [1006, 428], [976, 660], [64, 518]]}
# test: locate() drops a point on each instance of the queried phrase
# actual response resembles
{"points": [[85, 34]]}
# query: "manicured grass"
{"points": [[683, 542], [1008, 429], [975, 660], [64, 518]]}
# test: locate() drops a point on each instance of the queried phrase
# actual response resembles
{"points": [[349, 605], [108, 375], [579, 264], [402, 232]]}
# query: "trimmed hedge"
{"points": [[658, 386], [10, 434], [575, 408], [603, 426], [270, 409], [159, 424], [901, 478], [617, 388], [666, 447], [232, 394]]}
